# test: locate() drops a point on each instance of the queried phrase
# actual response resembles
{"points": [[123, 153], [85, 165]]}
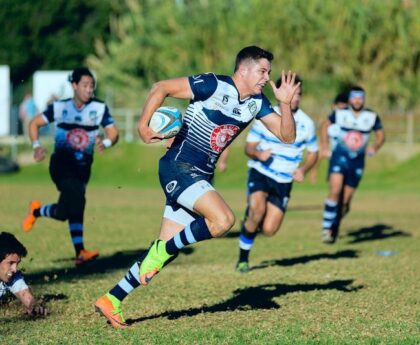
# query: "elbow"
{"points": [[289, 139]]}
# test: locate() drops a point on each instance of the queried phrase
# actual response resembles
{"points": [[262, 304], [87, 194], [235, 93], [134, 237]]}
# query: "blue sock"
{"points": [[197, 231], [246, 241]]}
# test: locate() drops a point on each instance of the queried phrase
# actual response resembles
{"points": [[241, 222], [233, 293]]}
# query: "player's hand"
{"points": [[221, 166], [39, 153], [264, 155], [149, 136], [99, 144], [298, 175], [287, 89], [325, 153], [37, 310], [370, 151]]}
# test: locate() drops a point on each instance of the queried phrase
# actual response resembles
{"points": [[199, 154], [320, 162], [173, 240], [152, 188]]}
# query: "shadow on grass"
{"points": [[103, 264], [307, 258], [252, 298], [375, 232]]}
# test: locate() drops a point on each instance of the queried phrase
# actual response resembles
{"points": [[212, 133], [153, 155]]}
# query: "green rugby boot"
{"points": [[154, 261]]}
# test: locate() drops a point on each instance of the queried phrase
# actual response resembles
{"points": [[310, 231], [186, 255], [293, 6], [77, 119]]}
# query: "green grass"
{"points": [[299, 292]]}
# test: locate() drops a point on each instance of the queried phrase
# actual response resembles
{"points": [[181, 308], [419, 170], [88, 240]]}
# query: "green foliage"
{"points": [[332, 44]]}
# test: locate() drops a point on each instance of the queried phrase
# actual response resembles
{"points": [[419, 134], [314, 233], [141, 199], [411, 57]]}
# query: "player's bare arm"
{"points": [[31, 306], [283, 127], [379, 141], [310, 161], [176, 88], [36, 123], [324, 143], [111, 138], [252, 152]]}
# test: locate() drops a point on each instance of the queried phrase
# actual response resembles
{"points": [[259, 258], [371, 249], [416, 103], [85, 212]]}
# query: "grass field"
{"points": [[299, 290]]}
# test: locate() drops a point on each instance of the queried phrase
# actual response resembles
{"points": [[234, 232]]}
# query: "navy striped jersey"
{"points": [[15, 285], [352, 133], [215, 116], [76, 129], [285, 158]]}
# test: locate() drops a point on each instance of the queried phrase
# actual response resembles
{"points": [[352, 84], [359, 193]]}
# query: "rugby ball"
{"points": [[166, 121]]}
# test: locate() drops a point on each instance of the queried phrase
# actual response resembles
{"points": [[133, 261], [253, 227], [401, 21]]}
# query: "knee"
{"points": [[269, 231], [256, 213], [223, 224]]}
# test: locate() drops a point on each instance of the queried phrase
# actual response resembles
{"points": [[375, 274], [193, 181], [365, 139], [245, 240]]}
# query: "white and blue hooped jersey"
{"points": [[15, 285], [352, 133], [76, 129], [214, 117], [285, 158]]}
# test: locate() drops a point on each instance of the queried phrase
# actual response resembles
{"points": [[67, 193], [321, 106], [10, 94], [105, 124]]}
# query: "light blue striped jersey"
{"points": [[214, 117], [76, 129], [15, 285], [352, 132], [285, 158]]}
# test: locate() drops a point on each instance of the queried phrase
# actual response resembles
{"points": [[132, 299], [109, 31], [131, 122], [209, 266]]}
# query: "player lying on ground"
{"points": [[12, 280]]}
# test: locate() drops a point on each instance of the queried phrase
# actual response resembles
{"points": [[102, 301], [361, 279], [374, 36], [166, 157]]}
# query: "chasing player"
{"points": [[273, 167], [77, 121], [220, 108], [347, 159]]}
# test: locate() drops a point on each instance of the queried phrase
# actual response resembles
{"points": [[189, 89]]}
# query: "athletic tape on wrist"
{"points": [[107, 142], [36, 144]]}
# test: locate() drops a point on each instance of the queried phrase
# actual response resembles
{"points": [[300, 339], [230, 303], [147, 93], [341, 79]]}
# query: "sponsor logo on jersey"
{"points": [[171, 186], [236, 111], [78, 139], [221, 136], [353, 140], [225, 99], [65, 113]]}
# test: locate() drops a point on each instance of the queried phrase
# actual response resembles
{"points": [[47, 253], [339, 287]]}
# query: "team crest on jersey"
{"points": [[220, 136], [93, 115], [225, 99], [252, 106], [78, 139]]}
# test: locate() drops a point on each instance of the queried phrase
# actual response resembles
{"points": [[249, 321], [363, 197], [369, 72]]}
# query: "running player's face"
{"points": [[258, 74], [83, 90], [8, 267], [357, 102]]}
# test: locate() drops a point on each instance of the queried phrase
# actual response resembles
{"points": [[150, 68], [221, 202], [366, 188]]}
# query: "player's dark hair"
{"points": [[297, 80], [342, 97], [78, 73], [252, 53], [10, 245], [356, 88]]}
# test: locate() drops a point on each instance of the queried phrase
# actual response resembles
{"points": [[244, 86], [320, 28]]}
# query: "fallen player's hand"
{"points": [[38, 310]]}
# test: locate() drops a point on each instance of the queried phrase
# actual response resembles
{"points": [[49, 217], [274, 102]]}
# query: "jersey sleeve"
{"points": [[311, 140], [255, 134], [378, 124], [17, 283], [331, 117], [202, 86], [49, 113], [107, 119], [266, 107]]}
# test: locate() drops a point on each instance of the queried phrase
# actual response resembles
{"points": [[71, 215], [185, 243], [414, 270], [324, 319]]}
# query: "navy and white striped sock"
{"points": [[76, 233], [127, 284], [330, 214], [46, 211], [246, 241], [197, 231]]}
